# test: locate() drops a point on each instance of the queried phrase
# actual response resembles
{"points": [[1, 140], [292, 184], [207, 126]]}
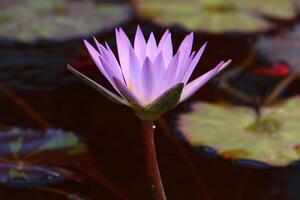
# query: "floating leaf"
{"points": [[236, 133], [216, 16], [282, 48], [30, 20], [24, 154], [19, 142], [25, 174]]}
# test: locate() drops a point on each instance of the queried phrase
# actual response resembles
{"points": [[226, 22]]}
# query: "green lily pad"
{"points": [[283, 47], [30, 20], [234, 132], [216, 16]]}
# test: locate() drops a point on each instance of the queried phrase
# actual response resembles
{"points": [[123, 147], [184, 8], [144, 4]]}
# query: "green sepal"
{"points": [[106, 93], [162, 104]]}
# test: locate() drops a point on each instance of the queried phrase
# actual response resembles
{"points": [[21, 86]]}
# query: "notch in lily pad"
{"points": [[237, 133]]}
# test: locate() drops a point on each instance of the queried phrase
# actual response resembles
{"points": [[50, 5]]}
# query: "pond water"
{"points": [[37, 75]]}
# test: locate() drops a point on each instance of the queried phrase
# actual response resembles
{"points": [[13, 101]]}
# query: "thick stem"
{"points": [[151, 162]]}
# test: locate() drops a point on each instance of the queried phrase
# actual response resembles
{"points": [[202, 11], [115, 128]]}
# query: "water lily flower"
{"points": [[152, 80], [148, 77]]}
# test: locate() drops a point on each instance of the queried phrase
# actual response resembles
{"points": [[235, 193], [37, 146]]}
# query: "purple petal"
{"points": [[193, 64], [127, 94], [112, 55], [147, 81], [109, 69], [112, 62], [184, 53], [97, 43], [151, 49], [158, 69], [168, 77], [123, 46], [135, 73], [95, 56], [193, 86], [165, 45], [183, 69], [187, 44], [140, 44]]}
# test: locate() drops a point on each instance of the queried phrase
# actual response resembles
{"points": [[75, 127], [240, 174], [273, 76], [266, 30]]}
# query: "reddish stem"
{"points": [[186, 159], [24, 106], [151, 161]]}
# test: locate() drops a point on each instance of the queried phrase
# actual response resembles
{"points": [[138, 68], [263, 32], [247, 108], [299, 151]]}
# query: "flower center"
{"points": [[264, 125]]}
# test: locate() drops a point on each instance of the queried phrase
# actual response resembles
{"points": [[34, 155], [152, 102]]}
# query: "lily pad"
{"points": [[16, 142], [30, 20], [26, 155], [235, 132], [24, 174], [284, 47], [217, 16]]}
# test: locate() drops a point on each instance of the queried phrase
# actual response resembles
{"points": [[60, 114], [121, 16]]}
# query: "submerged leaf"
{"points": [[21, 142], [23, 174], [24, 155], [16, 146], [217, 16], [235, 132], [15, 173]]}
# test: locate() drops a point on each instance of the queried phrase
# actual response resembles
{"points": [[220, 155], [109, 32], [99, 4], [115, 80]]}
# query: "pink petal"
{"points": [[193, 86], [151, 49], [140, 44], [193, 64]]}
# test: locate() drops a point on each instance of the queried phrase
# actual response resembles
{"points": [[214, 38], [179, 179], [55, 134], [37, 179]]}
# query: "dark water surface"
{"points": [[113, 133]]}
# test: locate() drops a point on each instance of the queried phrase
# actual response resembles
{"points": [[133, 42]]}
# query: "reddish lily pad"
{"points": [[283, 47], [30, 20], [217, 16], [236, 133]]}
